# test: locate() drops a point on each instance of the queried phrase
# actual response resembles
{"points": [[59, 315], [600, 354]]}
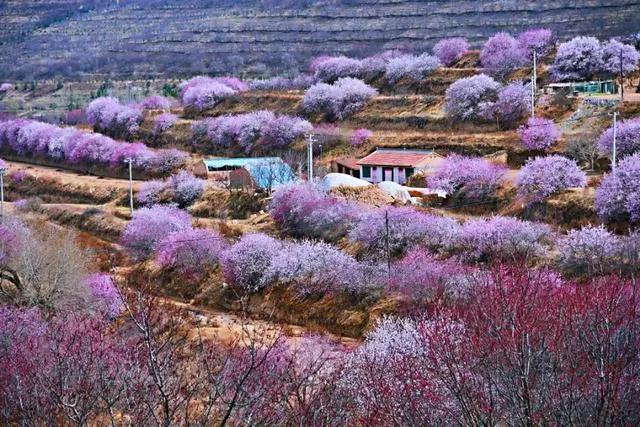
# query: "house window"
{"points": [[366, 171], [408, 172]]}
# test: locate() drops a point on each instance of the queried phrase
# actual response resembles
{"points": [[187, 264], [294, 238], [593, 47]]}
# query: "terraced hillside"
{"points": [[67, 37]]}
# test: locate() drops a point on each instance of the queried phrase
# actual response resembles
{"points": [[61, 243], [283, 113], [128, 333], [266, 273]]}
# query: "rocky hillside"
{"points": [[40, 38]]}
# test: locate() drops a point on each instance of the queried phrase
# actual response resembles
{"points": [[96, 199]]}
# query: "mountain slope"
{"points": [[63, 37]]}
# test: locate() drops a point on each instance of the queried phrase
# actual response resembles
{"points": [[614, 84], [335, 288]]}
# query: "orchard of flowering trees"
{"points": [[182, 189], [76, 149], [258, 131]]}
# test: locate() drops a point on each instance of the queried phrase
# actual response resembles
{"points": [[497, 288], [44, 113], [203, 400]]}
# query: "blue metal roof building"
{"points": [[266, 173]]}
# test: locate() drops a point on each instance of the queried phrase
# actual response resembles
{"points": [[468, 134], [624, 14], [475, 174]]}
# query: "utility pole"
{"points": [[130, 161], [310, 157], [621, 79], [386, 242], [2, 171], [534, 78], [614, 148]]}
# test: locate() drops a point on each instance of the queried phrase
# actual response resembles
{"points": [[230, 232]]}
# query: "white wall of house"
{"points": [[377, 174]]}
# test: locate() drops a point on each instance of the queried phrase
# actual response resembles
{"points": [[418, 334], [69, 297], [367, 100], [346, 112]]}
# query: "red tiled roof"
{"points": [[395, 158], [350, 162]]}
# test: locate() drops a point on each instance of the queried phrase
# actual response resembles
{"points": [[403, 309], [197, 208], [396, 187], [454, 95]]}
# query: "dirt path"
{"points": [[69, 176]]}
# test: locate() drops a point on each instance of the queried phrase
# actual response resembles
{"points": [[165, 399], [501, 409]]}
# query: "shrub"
{"points": [[401, 229], [627, 139], [108, 115], [423, 277], [150, 225], [332, 69], [617, 55], [74, 117], [304, 211], [465, 97], [590, 250], [539, 39], [538, 134], [13, 236], [502, 54], [315, 268], [248, 260], [414, 67], [164, 122], [359, 137], [191, 252], [156, 102], [6, 87], [105, 293], [340, 100], [502, 238], [472, 178], [578, 59], [302, 81], [544, 176], [450, 50], [618, 196], [182, 188]]}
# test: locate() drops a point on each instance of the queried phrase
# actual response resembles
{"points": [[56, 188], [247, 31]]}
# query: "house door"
{"points": [[388, 174]]}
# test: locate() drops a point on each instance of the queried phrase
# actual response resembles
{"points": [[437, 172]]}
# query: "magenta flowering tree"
{"points": [[333, 68], [538, 39], [450, 50], [469, 177], [340, 100], [544, 176], [106, 295], [414, 67], [359, 137], [502, 54], [627, 139], [156, 102], [400, 229], [619, 58], [618, 196], [191, 252], [539, 134], [164, 122], [150, 225], [578, 59], [302, 210], [466, 99], [502, 238], [247, 261], [109, 116], [588, 251]]}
